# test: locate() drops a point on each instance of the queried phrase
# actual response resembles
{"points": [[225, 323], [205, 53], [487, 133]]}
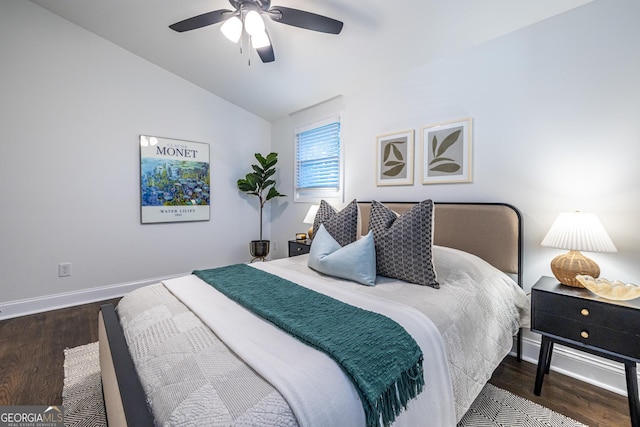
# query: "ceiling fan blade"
{"points": [[200, 21], [266, 53], [306, 20]]}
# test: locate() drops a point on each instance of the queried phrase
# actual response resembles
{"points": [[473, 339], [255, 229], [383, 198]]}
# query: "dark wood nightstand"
{"points": [[299, 247], [577, 318]]}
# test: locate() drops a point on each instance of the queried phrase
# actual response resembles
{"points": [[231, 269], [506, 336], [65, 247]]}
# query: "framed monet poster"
{"points": [[446, 152], [394, 158], [174, 180]]}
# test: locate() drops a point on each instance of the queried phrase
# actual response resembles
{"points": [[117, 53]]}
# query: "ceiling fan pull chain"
{"points": [[242, 34], [247, 39]]}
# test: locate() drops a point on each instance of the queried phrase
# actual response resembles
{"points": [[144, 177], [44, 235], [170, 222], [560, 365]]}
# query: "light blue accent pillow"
{"points": [[355, 261]]}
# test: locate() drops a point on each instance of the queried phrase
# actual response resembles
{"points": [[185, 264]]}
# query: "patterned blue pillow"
{"points": [[343, 225], [404, 243]]}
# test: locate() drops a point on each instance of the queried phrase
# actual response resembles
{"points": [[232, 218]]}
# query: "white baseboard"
{"points": [[68, 299], [583, 366]]}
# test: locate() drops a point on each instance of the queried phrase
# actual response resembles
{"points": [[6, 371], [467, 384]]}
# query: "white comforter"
{"points": [[318, 391], [475, 314], [477, 310]]}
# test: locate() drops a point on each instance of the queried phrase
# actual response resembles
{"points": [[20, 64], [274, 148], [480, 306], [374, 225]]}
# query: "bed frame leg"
{"points": [[519, 346]]}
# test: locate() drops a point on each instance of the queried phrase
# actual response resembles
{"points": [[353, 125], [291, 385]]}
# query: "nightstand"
{"points": [[299, 247], [577, 318]]}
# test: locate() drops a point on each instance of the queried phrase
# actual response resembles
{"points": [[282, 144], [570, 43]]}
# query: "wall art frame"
{"points": [[175, 180], [394, 158], [447, 152]]}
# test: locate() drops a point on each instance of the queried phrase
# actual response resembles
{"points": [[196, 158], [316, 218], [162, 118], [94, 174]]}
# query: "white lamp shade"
{"points": [[260, 40], [253, 23], [311, 214], [232, 29], [578, 231]]}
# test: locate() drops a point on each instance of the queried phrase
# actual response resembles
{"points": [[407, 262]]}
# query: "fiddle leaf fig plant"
{"points": [[259, 183]]}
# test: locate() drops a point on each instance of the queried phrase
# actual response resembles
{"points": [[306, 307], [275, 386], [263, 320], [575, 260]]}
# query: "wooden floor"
{"points": [[588, 404], [31, 373], [32, 352]]}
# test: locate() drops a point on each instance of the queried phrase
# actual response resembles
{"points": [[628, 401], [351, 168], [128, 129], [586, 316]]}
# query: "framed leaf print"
{"points": [[446, 152], [394, 159]]}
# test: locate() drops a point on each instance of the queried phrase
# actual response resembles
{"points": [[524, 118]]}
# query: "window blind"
{"points": [[318, 158]]}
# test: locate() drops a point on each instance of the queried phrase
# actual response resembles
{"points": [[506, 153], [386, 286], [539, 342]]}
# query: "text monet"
{"points": [[177, 152]]}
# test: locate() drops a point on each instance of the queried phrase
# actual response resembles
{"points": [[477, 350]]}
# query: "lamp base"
{"points": [[567, 266], [310, 232]]}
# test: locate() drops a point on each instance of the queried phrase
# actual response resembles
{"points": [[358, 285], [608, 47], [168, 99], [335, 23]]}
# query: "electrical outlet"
{"points": [[64, 269], [274, 245]]}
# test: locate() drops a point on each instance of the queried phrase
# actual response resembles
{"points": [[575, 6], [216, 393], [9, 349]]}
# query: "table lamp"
{"points": [[309, 218], [577, 231]]}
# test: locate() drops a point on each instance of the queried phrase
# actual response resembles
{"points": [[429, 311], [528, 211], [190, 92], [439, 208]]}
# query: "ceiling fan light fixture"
{"points": [[253, 23], [260, 40], [232, 29]]}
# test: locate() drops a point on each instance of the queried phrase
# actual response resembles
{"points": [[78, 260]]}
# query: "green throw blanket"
{"points": [[381, 358]]}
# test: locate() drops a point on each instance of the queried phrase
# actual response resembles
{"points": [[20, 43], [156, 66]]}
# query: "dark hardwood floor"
{"points": [[31, 369], [32, 352], [583, 402]]}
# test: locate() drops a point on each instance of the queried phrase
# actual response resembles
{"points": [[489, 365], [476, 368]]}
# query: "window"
{"points": [[318, 168]]}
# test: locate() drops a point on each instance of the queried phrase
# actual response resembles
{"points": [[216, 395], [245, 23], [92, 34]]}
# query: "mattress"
{"points": [[192, 377]]}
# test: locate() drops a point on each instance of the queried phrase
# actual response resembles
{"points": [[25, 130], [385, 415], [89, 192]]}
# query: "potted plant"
{"points": [[259, 183]]}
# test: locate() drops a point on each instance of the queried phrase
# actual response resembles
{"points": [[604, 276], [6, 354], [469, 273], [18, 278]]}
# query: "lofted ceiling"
{"points": [[378, 38]]}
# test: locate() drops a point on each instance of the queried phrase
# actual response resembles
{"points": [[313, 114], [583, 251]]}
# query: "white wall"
{"points": [[555, 128], [71, 108]]}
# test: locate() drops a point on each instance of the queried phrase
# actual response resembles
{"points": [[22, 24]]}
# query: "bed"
{"points": [[470, 320]]}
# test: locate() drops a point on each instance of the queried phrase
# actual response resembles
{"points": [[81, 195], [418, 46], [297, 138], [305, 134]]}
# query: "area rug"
{"points": [[82, 391], [497, 407], [494, 407]]}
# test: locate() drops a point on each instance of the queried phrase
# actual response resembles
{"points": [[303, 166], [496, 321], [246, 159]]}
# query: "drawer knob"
{"points": [[584, 334], [584, 311]]}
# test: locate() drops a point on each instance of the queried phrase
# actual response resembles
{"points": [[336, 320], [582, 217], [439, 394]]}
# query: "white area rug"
{"points": [[494, 407], [497, 407], [82, 391]]}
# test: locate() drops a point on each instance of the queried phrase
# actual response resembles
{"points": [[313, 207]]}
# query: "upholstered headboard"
{"points": [[491, 231]]}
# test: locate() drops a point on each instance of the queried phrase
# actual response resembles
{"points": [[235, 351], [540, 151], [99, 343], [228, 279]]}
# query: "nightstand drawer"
{"points": [[607, 315], [588, 333], [299, 248]]}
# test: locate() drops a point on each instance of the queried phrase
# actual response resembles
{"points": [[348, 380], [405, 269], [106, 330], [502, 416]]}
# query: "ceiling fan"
{"points": [[248, 15]]}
